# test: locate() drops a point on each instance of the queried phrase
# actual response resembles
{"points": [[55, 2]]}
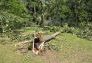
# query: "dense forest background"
{"points": [[73, 16]]}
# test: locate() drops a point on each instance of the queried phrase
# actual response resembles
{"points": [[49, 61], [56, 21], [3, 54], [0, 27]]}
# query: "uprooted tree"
{"points": [[23, 46]]}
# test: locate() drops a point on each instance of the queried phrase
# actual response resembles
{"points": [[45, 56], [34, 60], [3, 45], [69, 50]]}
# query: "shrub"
{"points": [[52, 28], [10, 22]]}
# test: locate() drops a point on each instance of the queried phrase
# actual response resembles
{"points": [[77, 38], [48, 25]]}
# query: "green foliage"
{"points": [[86, 31], [10, 22], [15, 14], [52, 28], [13, 6]]}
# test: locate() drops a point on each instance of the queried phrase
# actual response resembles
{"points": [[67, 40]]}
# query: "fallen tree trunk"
{"points": [[50, 37], [23, 46]]}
